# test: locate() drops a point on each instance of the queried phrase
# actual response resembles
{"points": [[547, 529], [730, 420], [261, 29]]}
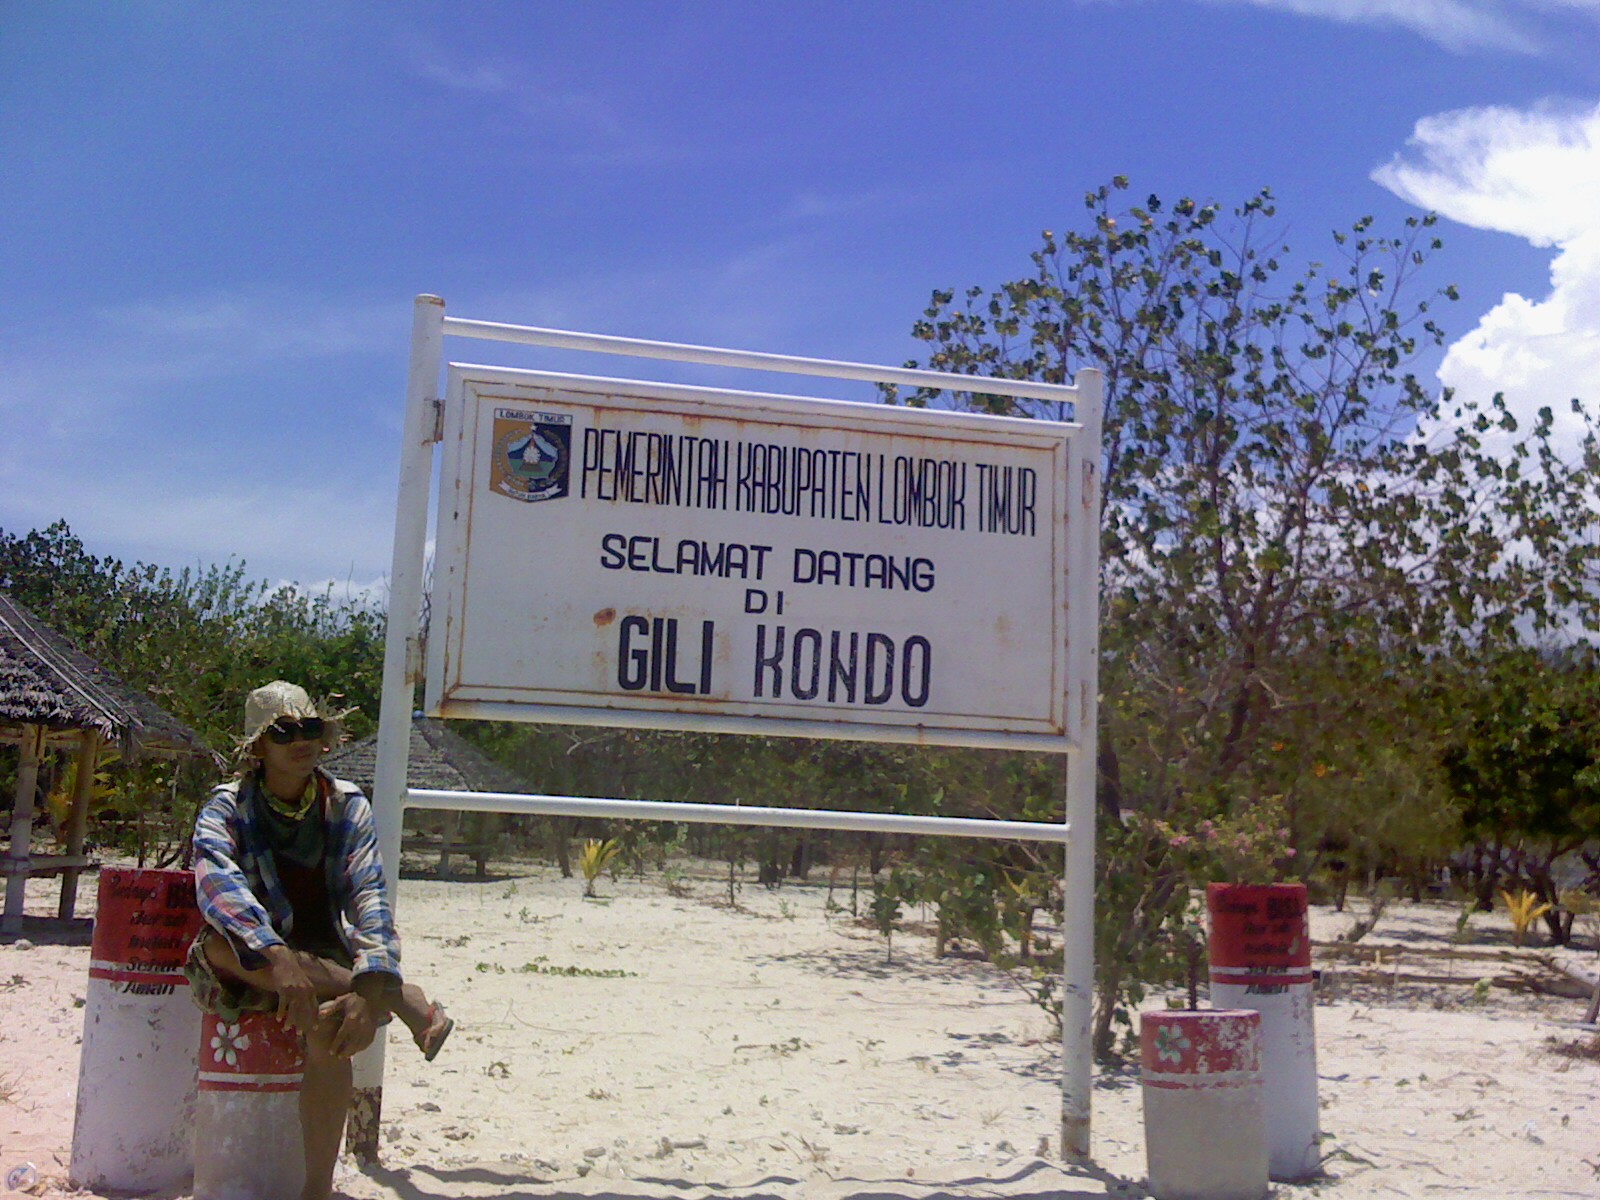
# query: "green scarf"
{"points": [[298, 833]]}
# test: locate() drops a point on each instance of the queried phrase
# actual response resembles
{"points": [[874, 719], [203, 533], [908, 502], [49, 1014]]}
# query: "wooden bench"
{"points": [[46, 864], [68, 866], [430, 847]]}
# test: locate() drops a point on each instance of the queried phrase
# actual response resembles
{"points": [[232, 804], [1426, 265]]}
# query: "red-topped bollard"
{"points": [[247, 1133], [1204, 1127], [136, 1071], [1260, 949]]}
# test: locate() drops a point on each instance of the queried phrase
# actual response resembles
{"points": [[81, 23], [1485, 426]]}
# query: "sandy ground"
{"points": [[772, 1050]]}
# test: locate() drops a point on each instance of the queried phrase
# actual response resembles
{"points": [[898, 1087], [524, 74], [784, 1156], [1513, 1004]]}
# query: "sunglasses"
{"points": [[283, 732]]}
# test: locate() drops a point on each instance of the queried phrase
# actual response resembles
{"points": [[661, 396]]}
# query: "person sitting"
{"points": [[297, 920]]}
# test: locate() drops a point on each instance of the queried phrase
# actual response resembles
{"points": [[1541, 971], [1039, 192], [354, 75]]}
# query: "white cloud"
{"points": [[141, 356], [257, 326], [813, 205], [1534, 174], [176, 508], [192, 430], [557, 115], [479, 78], [1458, 25], [582, 114]]}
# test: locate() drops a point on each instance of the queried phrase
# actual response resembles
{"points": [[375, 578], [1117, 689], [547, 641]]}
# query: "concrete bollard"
{"points": [[1204, 1128], [134, 1122], [1260, 948], [247, 1132]]}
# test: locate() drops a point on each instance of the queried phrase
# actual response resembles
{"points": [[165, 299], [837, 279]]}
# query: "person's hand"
{"points": [[297, 999], [357, 1024]]}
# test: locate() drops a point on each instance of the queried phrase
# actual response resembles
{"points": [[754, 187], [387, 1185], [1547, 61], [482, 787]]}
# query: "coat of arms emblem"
{"points": [[532, 454]]}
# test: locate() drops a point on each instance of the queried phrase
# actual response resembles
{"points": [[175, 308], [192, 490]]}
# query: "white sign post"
{"points": [[637, 553]]}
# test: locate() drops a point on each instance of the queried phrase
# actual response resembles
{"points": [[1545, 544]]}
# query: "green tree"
{"points": [[196, 641], [1524, 762], [1294, 527]]}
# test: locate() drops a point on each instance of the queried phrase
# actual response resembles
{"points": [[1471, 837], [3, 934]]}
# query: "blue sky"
{"points": [[214, 217]]}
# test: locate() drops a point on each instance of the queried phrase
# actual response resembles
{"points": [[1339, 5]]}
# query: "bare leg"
{"points": [[324, 1100], [328, 977], [410, 1003]]}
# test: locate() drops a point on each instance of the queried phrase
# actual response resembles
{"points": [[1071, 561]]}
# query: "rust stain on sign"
{"points": [[604, 617]]}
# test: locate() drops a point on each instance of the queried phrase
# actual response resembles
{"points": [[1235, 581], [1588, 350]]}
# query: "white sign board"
{"points": [[638, 554]]}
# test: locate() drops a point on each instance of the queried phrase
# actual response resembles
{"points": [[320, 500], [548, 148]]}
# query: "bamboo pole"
{"points": [[20, 849]]}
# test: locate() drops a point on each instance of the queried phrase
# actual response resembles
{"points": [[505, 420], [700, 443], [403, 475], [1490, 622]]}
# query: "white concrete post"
{"points": [[1205, 1126], [1260, 951], [134, 1124], [248, 1139]]}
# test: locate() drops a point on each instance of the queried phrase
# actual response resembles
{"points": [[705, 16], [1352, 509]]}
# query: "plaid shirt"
{"points": [[237, 882]]}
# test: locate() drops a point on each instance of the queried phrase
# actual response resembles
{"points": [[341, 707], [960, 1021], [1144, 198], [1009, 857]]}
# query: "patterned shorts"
{"points": [[228, 998]]}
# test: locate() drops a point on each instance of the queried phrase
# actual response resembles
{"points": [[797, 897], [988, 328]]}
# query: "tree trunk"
{"points": [[1107, 987], [563, 828], [800, 860]]}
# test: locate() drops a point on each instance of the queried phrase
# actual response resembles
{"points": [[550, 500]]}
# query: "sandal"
{"points": [[432, 1040]]}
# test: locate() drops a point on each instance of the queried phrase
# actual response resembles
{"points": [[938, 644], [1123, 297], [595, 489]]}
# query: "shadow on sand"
{"points": [[1035, 1180], [52, 931]]}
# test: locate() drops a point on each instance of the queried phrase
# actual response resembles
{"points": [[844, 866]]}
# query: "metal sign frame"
{"points": [[403, 667]]}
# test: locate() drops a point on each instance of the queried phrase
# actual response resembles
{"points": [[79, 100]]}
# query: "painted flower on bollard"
{"points": [[1171, 1042], [228, 1044]]}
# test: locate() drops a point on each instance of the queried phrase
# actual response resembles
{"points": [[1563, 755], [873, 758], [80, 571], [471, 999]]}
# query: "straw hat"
{"points": [[281, 698]]}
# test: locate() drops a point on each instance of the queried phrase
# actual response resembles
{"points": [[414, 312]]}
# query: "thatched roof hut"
{"points": [[47, 682], [53, 696], [439, 760]]}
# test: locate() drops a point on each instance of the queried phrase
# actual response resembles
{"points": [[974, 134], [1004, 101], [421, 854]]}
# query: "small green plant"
{"points": [[885, 912], [786, 910], [815, 1153], [102, 793], [595, 857], [1480, 991], [543, 966], [1524, 908], [784, 1049]]}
